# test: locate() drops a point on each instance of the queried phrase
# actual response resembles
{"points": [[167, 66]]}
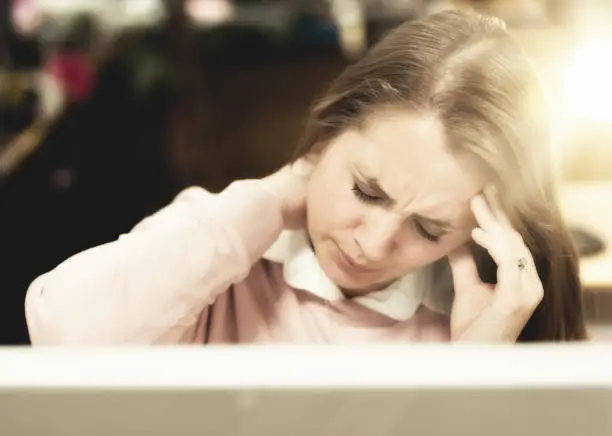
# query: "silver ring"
{"points": [[522, 264]]}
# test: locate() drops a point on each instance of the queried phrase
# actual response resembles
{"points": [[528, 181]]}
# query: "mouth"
{"points": [[347, 262]]}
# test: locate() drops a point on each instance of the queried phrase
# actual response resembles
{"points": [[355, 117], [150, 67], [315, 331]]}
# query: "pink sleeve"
{"points": [[151, 285]]}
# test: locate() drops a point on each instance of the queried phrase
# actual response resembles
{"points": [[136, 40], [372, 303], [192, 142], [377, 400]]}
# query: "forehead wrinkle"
{"points": [[419, 172], [409, 193]]}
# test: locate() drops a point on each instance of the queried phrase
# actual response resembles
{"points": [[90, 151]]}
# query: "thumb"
{"points": [[463, 268]]}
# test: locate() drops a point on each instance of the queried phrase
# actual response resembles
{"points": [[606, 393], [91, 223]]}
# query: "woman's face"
{"points": [[389, 199]]}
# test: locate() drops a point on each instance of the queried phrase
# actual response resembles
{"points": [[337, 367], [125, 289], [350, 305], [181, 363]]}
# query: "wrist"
{"points": [[517, 311], [494, 325]]}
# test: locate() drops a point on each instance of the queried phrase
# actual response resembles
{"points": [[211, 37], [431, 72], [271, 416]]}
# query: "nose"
{"points": [[378, 239]]}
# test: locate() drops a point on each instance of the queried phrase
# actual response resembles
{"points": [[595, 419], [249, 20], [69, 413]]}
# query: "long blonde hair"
{"points": [[467, 70]]}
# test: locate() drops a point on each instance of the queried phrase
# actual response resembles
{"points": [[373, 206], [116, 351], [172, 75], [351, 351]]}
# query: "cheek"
{"points": [[444, 248], [461, 238], [330, 204], [419, 253]]}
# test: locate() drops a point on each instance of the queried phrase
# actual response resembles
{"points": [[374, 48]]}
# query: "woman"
{"points": [[429, 152]]}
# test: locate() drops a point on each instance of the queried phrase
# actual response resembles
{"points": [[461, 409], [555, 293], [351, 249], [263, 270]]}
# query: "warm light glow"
{"points": [[588, 81], [210, 11]]}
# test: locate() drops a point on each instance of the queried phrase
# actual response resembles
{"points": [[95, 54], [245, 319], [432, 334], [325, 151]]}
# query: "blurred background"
{"points": [[108, 108]]}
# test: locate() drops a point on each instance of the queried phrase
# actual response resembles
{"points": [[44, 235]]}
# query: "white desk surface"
{"points": [[300, 391], [286, 366], [589, 204]]}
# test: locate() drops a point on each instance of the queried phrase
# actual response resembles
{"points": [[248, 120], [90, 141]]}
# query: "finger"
{"points": [[517, 271], [463, 269], [498, 245], [483, 214], [517, 277], [519, 290], [481, 238], [492, 196], [302, 167], [505, 255]]}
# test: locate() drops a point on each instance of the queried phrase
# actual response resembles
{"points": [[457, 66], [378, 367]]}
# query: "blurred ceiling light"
{"points": [[210, 11], [588, 81], [349, 17], [139, 12]]}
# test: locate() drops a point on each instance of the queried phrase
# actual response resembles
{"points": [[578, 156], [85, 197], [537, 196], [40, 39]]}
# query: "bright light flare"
{"points": [[588, 81]]}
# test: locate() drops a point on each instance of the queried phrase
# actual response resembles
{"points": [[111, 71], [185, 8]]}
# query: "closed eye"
{"points": [[376, 196], [364, 196], [424, 233]]}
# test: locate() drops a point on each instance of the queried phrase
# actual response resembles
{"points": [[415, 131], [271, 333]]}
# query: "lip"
{"points": [[348, 263]]}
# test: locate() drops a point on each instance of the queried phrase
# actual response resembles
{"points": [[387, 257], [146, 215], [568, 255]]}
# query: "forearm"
{"points": [[159, 276], [493, 326]]}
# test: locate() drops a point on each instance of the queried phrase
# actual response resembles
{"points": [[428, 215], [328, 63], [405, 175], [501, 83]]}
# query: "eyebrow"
{"points": [[374, 185]]}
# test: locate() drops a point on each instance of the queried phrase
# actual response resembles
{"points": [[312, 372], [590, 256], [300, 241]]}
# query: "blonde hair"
{"points": [[469, 72]]}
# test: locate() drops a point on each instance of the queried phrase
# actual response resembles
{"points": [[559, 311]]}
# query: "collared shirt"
{"points": [[429, 286]]}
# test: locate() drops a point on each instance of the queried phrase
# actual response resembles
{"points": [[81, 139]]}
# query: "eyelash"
{"points": [[421, 231], [362, 196], [370, 199]]}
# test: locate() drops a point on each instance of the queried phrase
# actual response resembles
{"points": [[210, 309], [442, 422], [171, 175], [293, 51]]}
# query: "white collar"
{"points": [[429, 287]]}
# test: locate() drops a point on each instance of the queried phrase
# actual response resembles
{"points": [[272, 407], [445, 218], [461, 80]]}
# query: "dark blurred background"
{"points": [[109, 108]]}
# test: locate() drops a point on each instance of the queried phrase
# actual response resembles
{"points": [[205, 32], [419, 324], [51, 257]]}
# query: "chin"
{"points": [[343, 280], [332, 271]]}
